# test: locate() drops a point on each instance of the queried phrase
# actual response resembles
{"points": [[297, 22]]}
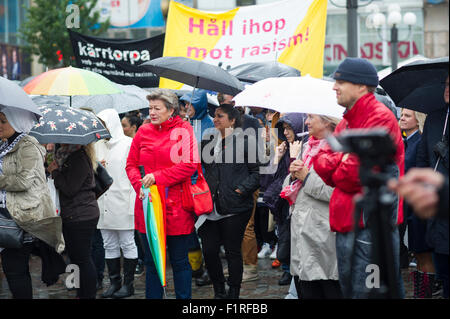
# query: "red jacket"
{"points": [[342, 170], [152, 147]]}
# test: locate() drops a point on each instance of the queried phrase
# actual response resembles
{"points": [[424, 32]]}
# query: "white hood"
{"points": [[113, 124]]}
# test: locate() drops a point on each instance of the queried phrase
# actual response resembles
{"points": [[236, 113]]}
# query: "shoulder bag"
{"points": [[11, 235], [197, 197], [103, 181]]}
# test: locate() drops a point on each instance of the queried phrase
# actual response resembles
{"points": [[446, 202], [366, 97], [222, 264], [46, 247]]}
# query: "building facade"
{"points": [[136, 19]]}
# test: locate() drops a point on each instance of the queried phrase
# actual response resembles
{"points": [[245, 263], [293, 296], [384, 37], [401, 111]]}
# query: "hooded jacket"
{"points": [[273, 183], [201, 120], [117, 203], [27, 195], [342, 170], [169, 152]]}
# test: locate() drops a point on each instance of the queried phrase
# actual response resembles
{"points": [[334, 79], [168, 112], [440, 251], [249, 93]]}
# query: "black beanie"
{"points": [[357, 71]]}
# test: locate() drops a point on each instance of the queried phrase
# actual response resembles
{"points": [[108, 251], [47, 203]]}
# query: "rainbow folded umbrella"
{"points": [[70, 81], [155, 226]]}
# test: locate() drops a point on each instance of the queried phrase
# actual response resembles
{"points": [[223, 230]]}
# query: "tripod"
{"points": [[377, 204]]}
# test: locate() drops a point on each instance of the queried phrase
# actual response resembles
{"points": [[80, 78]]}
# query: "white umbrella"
{"points": [[292, 94]]}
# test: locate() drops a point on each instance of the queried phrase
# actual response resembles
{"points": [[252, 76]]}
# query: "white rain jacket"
{"points": [[117, 204]]}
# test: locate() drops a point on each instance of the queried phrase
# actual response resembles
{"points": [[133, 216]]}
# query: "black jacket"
{"points": [[75, 183], [235, 167], [437, 228]]}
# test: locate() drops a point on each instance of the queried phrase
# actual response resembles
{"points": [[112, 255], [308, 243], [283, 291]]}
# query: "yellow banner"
{"points": [[290, 31]]}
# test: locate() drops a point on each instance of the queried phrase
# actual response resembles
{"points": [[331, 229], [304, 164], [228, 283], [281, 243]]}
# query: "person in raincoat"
{"points": [[167, 149], [288, 126], [116, 206], [196, 105], [356, 82], [197, 110], [24, 197], [313, 260]]}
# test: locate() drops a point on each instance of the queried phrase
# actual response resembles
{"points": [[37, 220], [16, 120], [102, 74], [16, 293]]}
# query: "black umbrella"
{"points": [[257, 71], [418, 85], [195, 73], [13, 95], [67, 125]]}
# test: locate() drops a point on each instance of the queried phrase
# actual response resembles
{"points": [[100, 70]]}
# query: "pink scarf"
{"points": [[311, 149]]}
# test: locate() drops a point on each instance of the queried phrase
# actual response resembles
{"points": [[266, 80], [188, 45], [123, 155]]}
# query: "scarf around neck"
{"points": [[5, 148], [312, 147]]}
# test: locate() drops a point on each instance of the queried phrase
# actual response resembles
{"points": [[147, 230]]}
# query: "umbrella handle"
{"points": [[142, 171], [193, 91]]}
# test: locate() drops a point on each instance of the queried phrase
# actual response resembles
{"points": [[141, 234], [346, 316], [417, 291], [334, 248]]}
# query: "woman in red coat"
{"points": [[167, 149]]}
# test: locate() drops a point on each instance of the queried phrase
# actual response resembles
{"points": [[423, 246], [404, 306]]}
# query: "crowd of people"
{"points": [[278, 188]]}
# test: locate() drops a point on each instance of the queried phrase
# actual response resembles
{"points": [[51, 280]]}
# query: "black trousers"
{"points": [[317, 289], [98, 254], [78, 237], [228, 231], [15, 263], [261, 225]]}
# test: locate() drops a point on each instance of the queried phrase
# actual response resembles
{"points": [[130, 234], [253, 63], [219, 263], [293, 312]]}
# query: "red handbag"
{"points": [[197, 197]]}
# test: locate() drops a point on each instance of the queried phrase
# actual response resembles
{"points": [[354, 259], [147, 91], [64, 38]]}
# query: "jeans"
{"points": [[352, 268], [78, 237], [177, 247], [228, 231]]}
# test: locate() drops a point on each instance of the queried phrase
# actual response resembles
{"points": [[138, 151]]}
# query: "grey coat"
{"points": [[313, 244], [27, 195]]}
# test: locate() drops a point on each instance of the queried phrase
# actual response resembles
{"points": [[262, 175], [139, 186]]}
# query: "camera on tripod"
{"points": [[378, 206], [374, 147]]}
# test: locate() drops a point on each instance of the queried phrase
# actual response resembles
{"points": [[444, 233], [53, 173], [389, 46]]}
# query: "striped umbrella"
{"points": [[154, 216], [70, 81]]}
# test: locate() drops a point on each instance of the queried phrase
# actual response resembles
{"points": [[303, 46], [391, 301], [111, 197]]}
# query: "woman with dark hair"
{"points": [[287, 127], [131, 123], [229, 158]]}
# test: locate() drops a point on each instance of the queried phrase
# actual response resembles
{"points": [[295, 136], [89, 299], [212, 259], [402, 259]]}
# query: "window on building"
{"points": [[241, 3]]}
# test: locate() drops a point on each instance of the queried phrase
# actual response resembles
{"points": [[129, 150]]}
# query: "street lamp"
{"points": [[378, 20], [352, 25]]}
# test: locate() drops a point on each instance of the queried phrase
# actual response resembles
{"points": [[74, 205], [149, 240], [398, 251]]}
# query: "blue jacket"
{"points": [[411, 150], [201, 121]]}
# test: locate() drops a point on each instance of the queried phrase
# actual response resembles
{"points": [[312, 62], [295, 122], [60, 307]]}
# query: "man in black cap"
{"points": [[356, 81]]}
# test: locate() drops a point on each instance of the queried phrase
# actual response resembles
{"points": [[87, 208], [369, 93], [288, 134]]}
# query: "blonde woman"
{"points": [[411, 124], [73, 173], [313, 261]]}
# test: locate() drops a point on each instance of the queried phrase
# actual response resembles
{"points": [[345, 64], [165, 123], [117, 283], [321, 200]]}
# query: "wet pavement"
{"points": [[265, 287]]}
